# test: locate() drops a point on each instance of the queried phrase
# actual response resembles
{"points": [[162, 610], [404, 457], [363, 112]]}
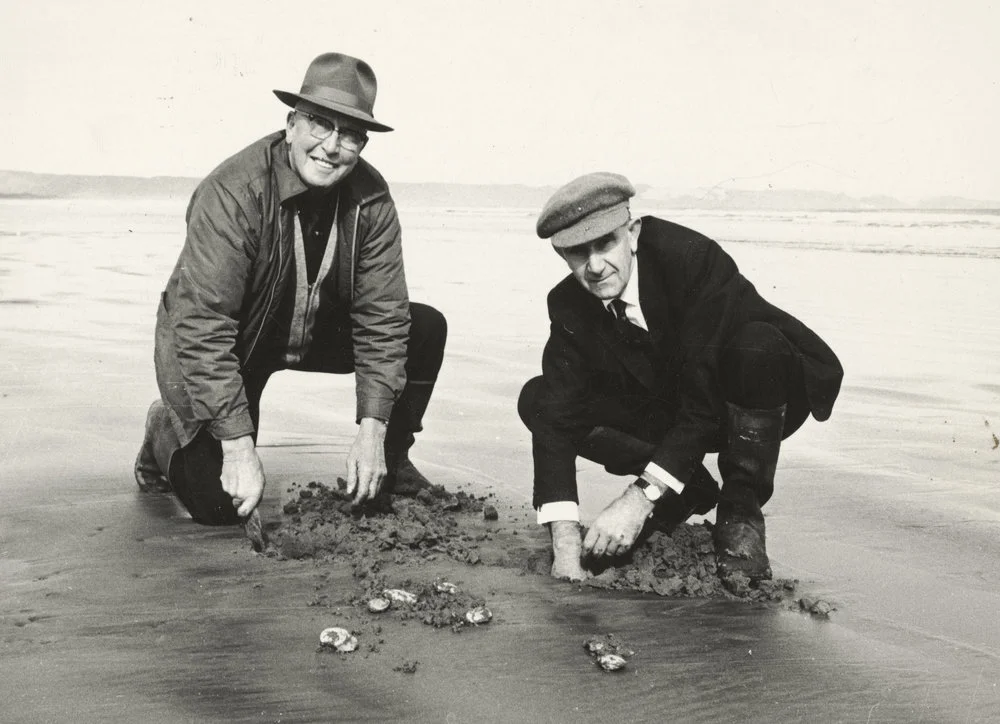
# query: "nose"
{"points": [[331, 142], [595, 262]]}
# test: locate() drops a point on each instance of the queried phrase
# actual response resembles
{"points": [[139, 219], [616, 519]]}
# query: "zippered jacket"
{"points": [[220, 304]]}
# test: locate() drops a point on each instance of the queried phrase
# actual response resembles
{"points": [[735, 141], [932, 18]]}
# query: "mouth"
{"points": [[323, 164]]}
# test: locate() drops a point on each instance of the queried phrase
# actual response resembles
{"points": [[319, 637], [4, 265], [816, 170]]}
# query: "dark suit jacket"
{"points": [[694, 300]]}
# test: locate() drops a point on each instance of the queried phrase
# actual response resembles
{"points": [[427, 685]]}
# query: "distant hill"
{"points": [[25, 185], [21, 184]]}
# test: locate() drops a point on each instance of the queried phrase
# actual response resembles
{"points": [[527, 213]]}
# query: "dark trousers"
{"points": [[758, 369], [195, 469]]}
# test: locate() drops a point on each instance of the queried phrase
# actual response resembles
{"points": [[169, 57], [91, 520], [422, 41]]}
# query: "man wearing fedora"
{"points": [[660, 351], [292, 260]]}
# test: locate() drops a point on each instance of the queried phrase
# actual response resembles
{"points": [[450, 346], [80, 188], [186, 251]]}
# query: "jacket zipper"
{"points": [[305, 317]]}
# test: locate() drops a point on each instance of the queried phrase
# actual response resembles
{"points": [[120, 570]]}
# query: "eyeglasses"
{"points": [[321, 128]]}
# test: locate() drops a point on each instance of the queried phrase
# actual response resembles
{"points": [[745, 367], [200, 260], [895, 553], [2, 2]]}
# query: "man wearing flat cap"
{"points": [[292, 260], [660, 351]]}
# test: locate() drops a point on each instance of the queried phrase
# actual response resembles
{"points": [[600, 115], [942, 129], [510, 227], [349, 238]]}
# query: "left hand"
{"points": [[366, 462], [617, 527]]}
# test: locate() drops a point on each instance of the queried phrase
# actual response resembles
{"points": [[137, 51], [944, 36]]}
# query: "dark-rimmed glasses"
{"points": [[352, 139]]}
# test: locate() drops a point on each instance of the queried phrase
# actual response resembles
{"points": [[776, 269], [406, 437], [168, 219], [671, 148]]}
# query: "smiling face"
{"points": [[319, 163], [603, 266]]}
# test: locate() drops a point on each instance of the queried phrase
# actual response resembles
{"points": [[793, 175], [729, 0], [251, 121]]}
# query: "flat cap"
{"points": [[586, 208]]}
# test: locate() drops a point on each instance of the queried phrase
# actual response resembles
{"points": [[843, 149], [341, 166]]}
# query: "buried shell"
{"points": [[611, 662], [398, 595], [445, 587], [378, 605], [338, 639], [478, 615], [595, 646]]}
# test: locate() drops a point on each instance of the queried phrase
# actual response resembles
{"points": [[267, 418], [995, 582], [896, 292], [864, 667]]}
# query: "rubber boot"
{"points": [[747, 466], [699, 496], [402, 476], [158, 445]]}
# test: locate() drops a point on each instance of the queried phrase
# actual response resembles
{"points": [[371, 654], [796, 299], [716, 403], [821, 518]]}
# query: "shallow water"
{"points": [[116, 608]]}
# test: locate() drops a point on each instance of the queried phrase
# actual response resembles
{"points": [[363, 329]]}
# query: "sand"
{"points": [[114, 606]]}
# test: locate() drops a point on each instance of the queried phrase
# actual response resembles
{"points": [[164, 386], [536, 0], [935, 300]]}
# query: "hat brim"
{"points": [[592, 226], [292, 99]]}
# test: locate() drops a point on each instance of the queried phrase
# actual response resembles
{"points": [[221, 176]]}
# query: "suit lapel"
{"points": [[655, 306], [634, 359]]}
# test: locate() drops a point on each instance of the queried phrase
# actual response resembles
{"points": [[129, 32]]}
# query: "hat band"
{"points": [[336, 96]]}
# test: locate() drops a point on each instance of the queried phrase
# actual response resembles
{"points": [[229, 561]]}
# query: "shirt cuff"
{"points": [[562, 510], [655, 474]]}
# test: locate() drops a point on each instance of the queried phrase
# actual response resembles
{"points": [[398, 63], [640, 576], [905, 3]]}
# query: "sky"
{"points": [[897, 98]]}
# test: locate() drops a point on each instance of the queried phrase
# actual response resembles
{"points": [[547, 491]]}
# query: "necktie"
{"points": [[632, 333]]}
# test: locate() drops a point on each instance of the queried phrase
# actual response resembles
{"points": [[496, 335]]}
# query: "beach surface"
{"points": [[115, 606]]}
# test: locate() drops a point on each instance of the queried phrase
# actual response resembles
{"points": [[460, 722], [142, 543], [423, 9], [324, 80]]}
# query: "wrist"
{"points": [[646, 497], [372, 427], [237, 446], [565, 535], [652, 489]]}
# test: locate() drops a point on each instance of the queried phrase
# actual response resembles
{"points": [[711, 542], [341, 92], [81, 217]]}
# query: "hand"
{"points": [[616, 528], [566, 550], [242, 474], [366, 462]]}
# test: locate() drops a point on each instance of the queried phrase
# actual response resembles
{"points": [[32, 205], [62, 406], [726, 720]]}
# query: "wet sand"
{"points": [[116, 607]]}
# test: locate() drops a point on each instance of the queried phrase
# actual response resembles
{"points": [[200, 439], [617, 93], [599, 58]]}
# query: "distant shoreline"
{"points": [[26, 186]]}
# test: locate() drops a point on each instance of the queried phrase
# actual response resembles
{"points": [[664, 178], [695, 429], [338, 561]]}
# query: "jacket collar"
{"points": [[289, 183]]}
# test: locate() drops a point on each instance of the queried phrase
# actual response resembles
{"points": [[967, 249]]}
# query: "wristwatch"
{"points": [[652, 492]]}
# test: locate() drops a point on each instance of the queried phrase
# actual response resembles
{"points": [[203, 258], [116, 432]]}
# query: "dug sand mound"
{"points": [[428, 523]]}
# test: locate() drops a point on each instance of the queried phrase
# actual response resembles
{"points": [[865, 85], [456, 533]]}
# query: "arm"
{"points": [[205, 299], [555, 437], [560, 423], [381, 322]]}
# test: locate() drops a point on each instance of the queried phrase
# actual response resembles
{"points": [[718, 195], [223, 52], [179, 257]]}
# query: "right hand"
{"points": [[242, 474], [366, 468], [567, 548]]}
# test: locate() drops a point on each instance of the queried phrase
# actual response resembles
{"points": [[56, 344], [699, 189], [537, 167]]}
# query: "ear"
{"points": [[634, 229], [289, 121]]}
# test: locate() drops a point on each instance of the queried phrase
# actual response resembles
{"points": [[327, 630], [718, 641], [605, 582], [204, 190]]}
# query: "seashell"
{"points": [[478, 615], [445, 587], [378, 605], [338, 639], [398, 595], [820, 608], [611, 662], [595, 646]]}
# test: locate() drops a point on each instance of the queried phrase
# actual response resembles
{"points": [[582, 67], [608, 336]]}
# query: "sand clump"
{"points": [[682, 564], [321, 522]]}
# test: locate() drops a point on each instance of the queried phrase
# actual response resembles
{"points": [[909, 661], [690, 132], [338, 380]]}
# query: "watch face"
{"points": [[649, 490]]}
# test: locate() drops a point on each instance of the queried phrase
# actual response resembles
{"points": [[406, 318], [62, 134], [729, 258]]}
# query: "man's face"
{"points": [[603, 266], [321, 163]]}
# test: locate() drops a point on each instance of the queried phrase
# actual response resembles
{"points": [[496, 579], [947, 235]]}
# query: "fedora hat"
{"points": [[338, 83]]}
